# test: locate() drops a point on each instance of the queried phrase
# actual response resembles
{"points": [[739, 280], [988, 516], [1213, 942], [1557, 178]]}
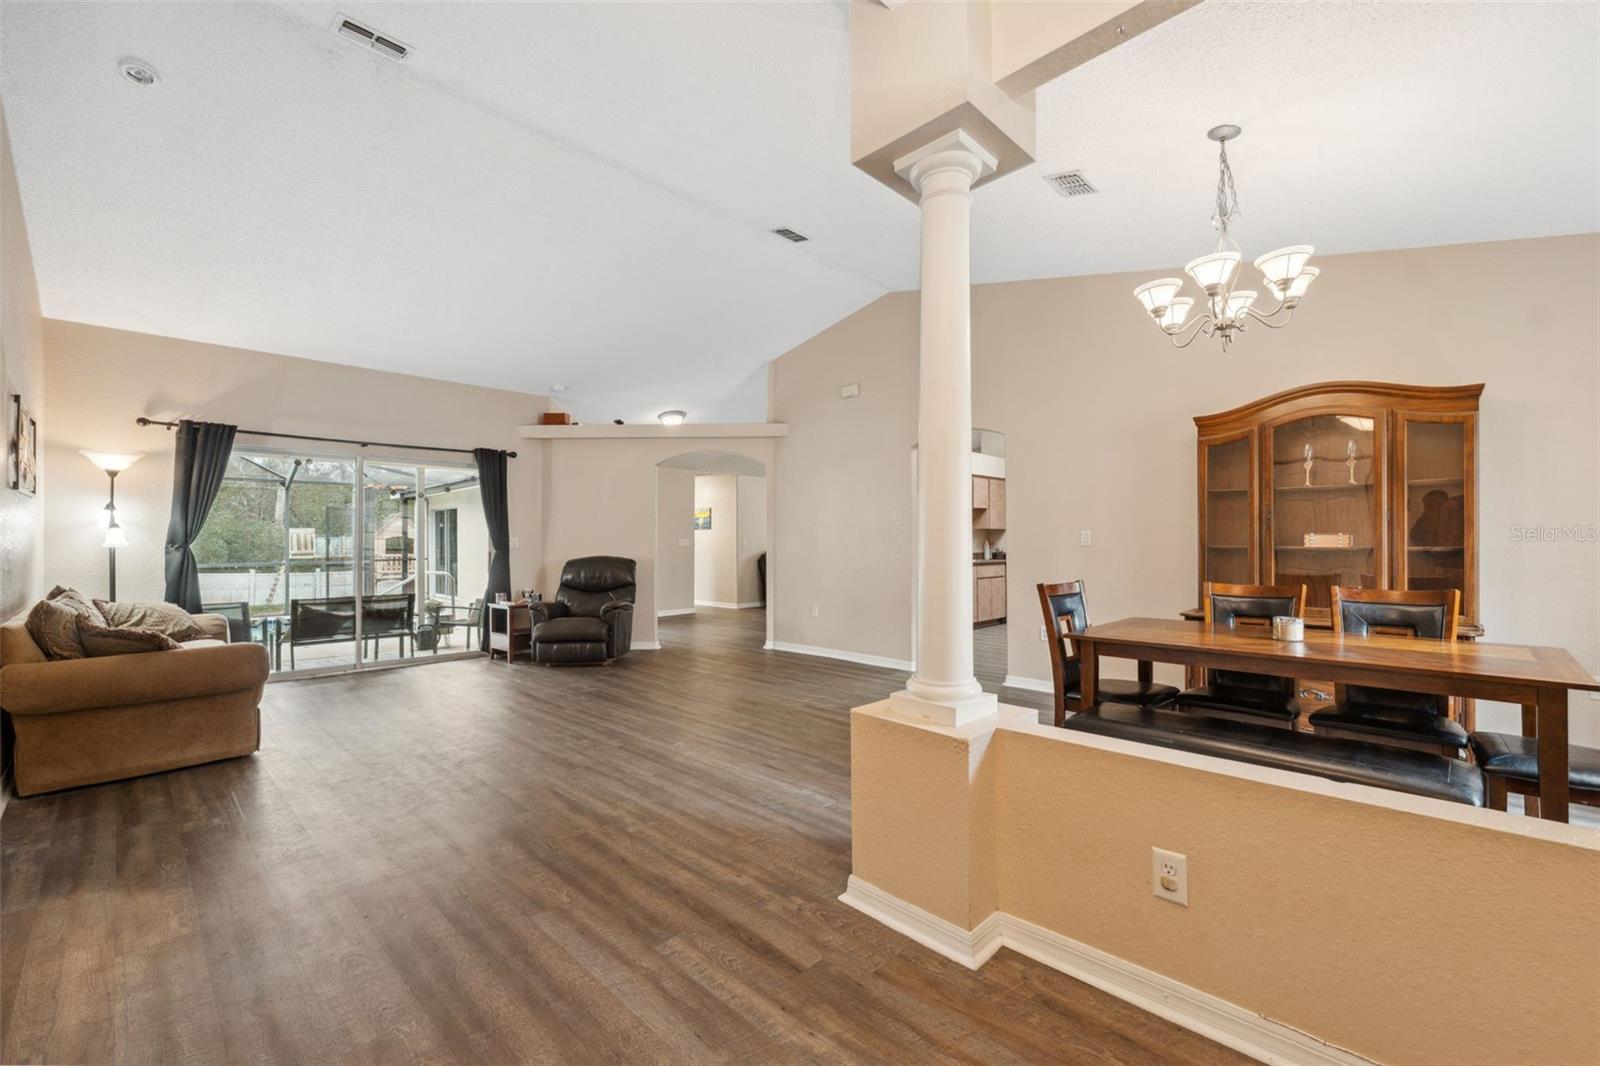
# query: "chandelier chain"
{"points": [[1227, 195]]}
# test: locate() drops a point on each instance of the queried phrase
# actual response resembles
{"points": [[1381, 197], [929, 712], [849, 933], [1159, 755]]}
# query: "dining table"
{"points": [[1539, 679]]}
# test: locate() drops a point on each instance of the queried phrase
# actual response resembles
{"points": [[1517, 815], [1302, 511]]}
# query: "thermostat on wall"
{"points": [[850, 391]]}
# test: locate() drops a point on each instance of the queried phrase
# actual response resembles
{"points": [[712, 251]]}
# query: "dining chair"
{"points": [[1066, 611], [1236, 693], [1510, 763], [1393, 716]]}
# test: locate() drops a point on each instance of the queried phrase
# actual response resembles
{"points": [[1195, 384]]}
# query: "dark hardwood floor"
{"points": [[469, 862]]}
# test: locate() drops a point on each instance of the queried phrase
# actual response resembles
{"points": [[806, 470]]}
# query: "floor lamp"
{"points": [[113, 463]]}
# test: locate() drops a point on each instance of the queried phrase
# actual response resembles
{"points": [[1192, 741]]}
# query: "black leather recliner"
{"points": [[590, 619]]}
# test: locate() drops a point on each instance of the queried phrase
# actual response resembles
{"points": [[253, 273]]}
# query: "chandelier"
{"points": [[1228, 310]]}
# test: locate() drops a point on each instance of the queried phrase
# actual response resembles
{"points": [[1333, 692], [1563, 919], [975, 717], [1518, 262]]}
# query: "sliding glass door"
{"points": [[337, 564]]}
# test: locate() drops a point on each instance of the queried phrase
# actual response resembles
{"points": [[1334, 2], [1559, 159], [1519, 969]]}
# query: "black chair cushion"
{"points": [[1513, 756], [1112, 690], [1358, 617], [572, 627], [1261, 703], [1392, 723], [589, 583], [1402, 770]]}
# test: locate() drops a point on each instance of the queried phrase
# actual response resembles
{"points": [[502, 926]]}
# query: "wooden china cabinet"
{"points": [[1344, 483]]}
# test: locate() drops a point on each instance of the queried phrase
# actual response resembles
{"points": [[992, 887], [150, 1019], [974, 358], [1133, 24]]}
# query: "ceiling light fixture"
{"points": [[1227, 310], [139, 72], [672, 418]]}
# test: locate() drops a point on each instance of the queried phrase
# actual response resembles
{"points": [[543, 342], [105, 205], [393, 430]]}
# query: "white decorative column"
{"points": [[943, 689]]}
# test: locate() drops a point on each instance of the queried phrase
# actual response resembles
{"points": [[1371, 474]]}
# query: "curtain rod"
{"points": [[326, 440]]}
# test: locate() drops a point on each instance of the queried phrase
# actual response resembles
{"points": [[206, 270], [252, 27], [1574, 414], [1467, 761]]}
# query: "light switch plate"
{"points": [[1084, 537]]}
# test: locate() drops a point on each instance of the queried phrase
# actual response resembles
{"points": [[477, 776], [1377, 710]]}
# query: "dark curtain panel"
{"points": [[202, 460], [492, 486]]}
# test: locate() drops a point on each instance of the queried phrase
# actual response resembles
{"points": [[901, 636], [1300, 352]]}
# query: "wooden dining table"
{"points": [[1537, 678]]}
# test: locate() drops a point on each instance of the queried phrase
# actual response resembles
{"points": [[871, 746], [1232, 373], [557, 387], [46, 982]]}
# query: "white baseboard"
{"points": [[673, 612], [727, 606], [847, 656], [1028, 684], [971, 948], [1200, 1012]]}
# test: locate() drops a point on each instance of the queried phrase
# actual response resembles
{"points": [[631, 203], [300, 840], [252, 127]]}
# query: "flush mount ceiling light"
{"points": [[139, 72], [671, 418], [1227, 310]]}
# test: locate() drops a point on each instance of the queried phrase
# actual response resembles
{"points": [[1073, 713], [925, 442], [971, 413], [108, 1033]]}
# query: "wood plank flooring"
{"points": [[470, 862]]}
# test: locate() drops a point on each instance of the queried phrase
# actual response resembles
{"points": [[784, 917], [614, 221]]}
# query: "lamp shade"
{"points": [[1176, 314], [1237, 302], [1280, 265], [1156, 295], [1302, 282], [115, 538], [112, 461], [1212, 272]]}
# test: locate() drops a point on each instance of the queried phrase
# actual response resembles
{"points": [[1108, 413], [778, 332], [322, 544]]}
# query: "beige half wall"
{"points": [[1404, 930]]}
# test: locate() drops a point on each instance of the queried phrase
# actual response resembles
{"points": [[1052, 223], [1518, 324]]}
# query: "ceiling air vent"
{"points": [[388, 47], [1070, 183], [790, 235]]}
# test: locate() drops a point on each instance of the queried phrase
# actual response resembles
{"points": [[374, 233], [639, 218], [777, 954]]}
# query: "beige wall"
{"points": [[674, 540], [600, 499], [716, 563], [842, 516], [22, 373], [1406, 930], [1097, 410], [100, 380], [752, 536]]}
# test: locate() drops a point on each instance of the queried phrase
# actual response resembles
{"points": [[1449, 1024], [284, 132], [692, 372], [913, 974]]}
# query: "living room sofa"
{"points": [[84, 721]]}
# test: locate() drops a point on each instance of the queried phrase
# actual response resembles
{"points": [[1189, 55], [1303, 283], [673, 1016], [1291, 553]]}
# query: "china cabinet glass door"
{"points": [[1228, 509], [1324, 514], [1435, 505]]}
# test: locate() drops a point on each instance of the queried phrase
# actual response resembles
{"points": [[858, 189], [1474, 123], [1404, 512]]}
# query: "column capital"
{"points": [[951, 163]]}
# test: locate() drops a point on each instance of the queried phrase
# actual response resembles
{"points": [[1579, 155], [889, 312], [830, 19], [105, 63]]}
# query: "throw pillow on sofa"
{"points": [[108, 640], [166, 618], [54, 627], [77, 603]]}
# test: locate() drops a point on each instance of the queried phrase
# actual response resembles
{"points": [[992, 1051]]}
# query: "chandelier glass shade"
{"points": [[1225, 310]]}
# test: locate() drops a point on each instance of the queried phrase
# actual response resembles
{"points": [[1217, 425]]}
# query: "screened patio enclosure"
{"points": [[335, 563]]}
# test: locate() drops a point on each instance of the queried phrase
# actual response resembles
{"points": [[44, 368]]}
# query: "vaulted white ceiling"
{"points": [[581, 194]]}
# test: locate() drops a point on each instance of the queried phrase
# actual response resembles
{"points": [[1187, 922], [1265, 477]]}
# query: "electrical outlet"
{"points": [[1169, 876], [1084, 537], [513, 542], [814, 611], [1043, 635]]}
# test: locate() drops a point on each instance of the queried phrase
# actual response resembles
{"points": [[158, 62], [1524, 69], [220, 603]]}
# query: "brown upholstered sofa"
{"points": [[83, 721]]}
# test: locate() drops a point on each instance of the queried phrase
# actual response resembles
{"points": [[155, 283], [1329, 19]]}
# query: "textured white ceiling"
{"points": [[580, 193]]}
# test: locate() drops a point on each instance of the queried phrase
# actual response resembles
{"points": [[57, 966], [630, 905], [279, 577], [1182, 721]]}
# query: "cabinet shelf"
{"points": [[1284, 490], [1321, 548], [1425, 481], [1227, 492], [1443, 548]]}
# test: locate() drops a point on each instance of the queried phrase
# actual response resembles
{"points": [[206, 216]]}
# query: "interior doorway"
{"points": [[991, 606], [711, 538]]}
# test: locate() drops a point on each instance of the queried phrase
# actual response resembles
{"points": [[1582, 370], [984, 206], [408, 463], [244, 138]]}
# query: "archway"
{"points": [[711, 542]]}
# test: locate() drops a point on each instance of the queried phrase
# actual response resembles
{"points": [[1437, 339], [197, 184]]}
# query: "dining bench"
{"points": [[1402, 770]]}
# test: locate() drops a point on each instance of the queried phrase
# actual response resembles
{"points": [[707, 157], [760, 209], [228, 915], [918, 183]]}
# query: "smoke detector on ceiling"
{"points": [[388, 47], [790, 235], [1070, 183]]}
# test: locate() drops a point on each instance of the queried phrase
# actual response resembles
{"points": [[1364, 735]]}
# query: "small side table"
{"points": [[510, 630]]}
